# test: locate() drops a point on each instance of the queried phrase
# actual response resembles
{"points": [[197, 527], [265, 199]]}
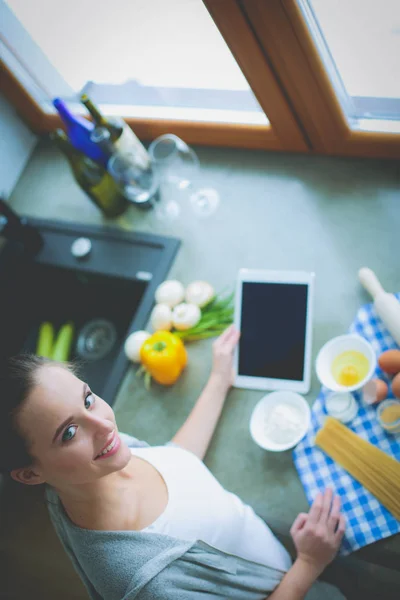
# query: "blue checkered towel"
{"points": [[367, 520]]}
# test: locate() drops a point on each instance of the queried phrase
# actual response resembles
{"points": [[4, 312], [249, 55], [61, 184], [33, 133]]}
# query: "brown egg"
{"points": [[381, 390], [374, 391], [389, 361], [396, 386]]}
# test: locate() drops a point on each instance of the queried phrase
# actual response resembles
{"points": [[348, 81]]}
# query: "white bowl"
{"points": [[258, 420], [337, 345]]}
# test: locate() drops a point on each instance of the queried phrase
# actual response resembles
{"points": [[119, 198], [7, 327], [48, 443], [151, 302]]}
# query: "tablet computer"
{"points": [[273, 311]]}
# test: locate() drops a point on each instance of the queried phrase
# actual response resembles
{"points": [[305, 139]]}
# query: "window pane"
{"points": [[360, 44], [151, 58]]}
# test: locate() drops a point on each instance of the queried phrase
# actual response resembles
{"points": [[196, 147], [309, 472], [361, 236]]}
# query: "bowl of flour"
{"points": [[280, 420]]}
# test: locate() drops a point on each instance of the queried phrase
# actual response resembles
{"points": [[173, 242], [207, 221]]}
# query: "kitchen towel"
{"points": [[366, 519]]}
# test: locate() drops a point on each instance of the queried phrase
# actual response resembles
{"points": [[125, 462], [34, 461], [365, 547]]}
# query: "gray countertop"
{"points": [[277, 211]]}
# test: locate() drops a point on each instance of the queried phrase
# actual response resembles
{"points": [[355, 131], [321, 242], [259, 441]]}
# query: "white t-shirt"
{"points": [[199, 508]]}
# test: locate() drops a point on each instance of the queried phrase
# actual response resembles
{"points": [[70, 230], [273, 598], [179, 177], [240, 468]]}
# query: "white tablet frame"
{"points": [[266, 276]]}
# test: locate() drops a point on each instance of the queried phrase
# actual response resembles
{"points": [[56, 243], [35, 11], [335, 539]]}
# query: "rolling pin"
{"points": [[386, 305]]}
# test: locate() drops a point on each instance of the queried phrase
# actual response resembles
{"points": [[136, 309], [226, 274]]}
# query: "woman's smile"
{"points": [[110, 448]]}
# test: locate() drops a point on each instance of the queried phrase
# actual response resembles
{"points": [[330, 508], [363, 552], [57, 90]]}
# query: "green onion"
{"points": [[216, 316]]}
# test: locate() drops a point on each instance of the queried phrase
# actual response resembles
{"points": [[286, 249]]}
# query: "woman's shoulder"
{"points": [[117, 562]]}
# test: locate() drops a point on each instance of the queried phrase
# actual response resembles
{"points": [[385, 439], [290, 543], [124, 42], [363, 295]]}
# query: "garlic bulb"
{"points": [[200, 293], [133, 343], [170, 292], [185, 316], [161, 317]]}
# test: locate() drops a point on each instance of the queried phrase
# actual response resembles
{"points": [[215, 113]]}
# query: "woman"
{"points": [[152, 522]]}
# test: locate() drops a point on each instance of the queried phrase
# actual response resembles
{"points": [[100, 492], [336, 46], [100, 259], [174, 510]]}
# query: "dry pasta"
{"points": [[374, 469]]}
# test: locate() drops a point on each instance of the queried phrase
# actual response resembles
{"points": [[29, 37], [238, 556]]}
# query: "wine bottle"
{"points": [[125, 141], [92, 178], [114, 125], [102, 137], [79, 130]]}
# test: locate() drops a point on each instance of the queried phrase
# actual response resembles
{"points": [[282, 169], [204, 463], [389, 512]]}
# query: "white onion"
{"points": [[200, 293], [161, 317], [133, 344], [185, 316], [170, 292]]}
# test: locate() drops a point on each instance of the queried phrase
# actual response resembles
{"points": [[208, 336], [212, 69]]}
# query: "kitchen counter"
{"points": [[277, 211]]}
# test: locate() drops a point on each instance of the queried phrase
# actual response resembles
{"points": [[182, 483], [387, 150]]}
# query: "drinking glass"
{"points": [[139, 185], [177, 163], [179, 168]]}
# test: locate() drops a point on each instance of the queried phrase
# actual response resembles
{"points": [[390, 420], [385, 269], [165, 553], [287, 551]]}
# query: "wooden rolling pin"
{"points": [[386, 305]]}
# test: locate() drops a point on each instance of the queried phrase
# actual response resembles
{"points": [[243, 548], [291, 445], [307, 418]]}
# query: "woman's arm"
{"points": [[317, 537], [196, 433], [296, 583]]}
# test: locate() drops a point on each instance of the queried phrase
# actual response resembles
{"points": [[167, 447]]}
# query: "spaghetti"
{"points": [[373, 468]]}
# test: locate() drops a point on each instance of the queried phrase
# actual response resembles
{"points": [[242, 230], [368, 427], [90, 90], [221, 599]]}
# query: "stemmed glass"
{"points": [[138, 185], [179, 167]]}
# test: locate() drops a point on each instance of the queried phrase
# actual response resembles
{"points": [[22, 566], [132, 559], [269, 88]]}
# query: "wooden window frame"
{"points": [[273, 47], [287, 43], [283, 133]]}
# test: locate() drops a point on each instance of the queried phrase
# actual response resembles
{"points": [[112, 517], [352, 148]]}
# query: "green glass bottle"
{"points": [[115, 126], [92, 178], [122, 136]]}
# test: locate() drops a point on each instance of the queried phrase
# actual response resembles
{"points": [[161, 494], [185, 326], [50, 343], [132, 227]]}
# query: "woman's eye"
{"points": [[89, 400], [69, 433]]}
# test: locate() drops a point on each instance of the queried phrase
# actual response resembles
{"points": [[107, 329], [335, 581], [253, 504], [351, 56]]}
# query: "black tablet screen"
{"points": [[273, 330]]}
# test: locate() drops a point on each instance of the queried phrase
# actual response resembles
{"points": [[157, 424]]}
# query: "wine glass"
{"points": [[177, 163], [179, 166], [204, 202], [138, 185]]}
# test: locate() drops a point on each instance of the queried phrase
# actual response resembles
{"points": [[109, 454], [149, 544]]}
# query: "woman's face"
{"points": [[71, 432]]}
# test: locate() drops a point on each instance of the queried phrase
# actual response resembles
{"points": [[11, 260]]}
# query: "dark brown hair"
{"points": [[18, 376]]}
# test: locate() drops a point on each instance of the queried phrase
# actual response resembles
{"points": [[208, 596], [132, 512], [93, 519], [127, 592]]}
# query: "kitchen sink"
{"points": [[107, 291]]}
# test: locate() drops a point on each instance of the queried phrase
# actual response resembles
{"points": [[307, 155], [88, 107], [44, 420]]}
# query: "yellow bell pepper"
{"points": [[164, 356]]}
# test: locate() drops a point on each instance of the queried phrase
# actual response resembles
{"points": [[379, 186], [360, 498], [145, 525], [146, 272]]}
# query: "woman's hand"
{"points": [[223, 350], [318, 534]]}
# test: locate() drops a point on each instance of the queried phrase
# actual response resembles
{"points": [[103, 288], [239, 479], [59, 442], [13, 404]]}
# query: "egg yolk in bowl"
{"points": [[349, 368]]}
